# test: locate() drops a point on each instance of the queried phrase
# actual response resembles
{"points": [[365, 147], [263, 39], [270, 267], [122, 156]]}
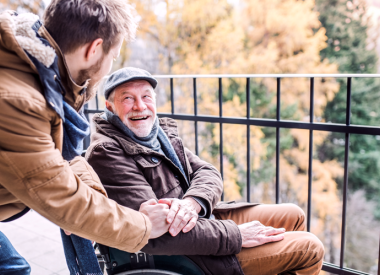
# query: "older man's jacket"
{"points": [[33, 173], [132, 174]]}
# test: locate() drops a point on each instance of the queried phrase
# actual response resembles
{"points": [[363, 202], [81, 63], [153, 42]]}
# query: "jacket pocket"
{"points": [[148, 161], [158, 174]]}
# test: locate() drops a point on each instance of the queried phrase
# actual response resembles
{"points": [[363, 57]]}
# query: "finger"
{"points": [[255, 224], [274, 231], [177, 220], [159, 207], [173, 211], [67, 233], [274, 238], [165, 201], [184, 222], [190, 225], [150, 202]]}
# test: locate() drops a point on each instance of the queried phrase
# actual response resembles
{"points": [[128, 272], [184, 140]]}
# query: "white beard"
{"points": [[141, 131]]}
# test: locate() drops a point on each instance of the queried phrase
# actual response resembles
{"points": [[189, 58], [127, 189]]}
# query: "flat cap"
{"points": [[125, 75]]}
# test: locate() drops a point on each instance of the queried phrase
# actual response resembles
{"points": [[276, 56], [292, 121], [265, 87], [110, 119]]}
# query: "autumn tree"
{"points": [[347, 26], [34, 6]]}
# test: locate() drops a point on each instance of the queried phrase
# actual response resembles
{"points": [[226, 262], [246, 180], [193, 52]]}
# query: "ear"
{"points": [[94, 48], [109, 106]]}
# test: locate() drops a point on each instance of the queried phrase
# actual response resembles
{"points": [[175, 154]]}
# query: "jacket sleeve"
{"points": [[208, 237], [35, 172], [205, 182], [86, 173], [120, 175], [129, 187]]}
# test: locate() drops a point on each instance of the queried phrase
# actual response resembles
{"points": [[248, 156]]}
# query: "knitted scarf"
{"points": [[156, 140]]}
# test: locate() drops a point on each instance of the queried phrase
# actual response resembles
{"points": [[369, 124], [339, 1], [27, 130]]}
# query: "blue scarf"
{"points": [[75, 129], [157, 140]]}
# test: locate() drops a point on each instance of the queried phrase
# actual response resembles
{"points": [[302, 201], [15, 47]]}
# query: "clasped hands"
{"points": [[174, 215], [171, 215]]}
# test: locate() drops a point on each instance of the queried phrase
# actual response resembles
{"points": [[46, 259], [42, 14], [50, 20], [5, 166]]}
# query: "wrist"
{"points": [[241, 229], [195, 204]]}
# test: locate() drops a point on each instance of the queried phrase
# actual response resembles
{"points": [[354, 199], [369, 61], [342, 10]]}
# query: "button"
{"points": [[154, 160], [52, 104]]}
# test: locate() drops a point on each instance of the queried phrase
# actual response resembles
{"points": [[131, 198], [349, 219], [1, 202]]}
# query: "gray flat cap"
{"points": [[125, 75]]}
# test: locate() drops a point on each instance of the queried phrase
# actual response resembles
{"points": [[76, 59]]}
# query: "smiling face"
{"points": [[134, 103]]}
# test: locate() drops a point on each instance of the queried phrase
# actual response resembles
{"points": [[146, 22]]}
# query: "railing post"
{"points": [[97, 101], [278, 117], [378, 260], [172, 95], [87, 140], [248, 94], [221, 130], [345, 182], [310, 176], [195, 114]]}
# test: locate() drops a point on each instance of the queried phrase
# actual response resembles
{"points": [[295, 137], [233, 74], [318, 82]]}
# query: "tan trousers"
{"points": [[299, 253]]}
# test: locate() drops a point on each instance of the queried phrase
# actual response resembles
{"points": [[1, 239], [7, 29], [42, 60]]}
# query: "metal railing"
{"points": [[278, 123]]}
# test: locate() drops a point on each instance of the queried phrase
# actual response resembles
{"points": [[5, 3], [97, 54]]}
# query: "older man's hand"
{"points": [[255, 234], [183, 214], [157, 213]]}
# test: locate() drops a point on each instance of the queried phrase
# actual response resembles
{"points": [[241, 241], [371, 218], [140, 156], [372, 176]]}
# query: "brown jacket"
{"points": [[133, 174], [32, 171]]}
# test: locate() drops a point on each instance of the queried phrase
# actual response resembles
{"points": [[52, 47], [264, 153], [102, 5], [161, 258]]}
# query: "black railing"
{"points": [[278, 123]]}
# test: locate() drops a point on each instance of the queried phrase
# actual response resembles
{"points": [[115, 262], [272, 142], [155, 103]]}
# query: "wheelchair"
{"points": [[117, 262]]}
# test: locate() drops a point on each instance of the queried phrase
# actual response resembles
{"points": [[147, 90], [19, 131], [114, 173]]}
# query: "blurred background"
{"points": [[274, 36]]}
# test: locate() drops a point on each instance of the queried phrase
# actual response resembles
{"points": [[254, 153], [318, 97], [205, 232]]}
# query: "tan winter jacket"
{"points": [[32, 171]]}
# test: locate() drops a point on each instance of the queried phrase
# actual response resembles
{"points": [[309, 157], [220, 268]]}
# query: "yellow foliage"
{"points": [[229, 181]]}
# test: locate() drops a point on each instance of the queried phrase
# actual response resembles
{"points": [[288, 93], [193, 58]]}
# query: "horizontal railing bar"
{"points": [[330, 127], [268, 75], [341, 271]]}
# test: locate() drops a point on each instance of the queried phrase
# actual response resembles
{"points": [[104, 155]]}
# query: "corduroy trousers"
{"points": [[299, 253]]}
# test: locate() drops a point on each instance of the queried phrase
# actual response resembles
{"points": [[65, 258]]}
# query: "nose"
{"points": [[139, 105]]}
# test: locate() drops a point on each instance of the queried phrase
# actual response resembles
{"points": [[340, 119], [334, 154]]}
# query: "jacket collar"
{"points": [[131, 147], [75, 94]]}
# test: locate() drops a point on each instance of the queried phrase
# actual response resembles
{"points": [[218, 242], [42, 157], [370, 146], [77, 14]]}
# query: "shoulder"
{"points": [[101, 143], [22, 88], [167, 121], [169, 126]]}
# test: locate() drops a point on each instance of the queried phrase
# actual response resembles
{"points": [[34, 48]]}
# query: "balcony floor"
{"points": [[39, 242]]}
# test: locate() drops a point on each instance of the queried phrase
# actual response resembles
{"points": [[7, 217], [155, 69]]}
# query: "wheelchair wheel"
{"points": [[116, 262], [148, 272]]}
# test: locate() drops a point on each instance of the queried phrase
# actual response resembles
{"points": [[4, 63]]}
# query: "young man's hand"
{"points": [[255, 234], [183, 214], [157, 213]]}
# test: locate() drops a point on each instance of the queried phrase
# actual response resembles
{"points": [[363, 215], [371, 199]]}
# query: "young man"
{"points": [[140, 157], [47, 73]]}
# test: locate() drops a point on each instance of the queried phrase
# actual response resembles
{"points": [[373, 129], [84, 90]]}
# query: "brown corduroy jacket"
{"points": [[33, 172], [132, 174]]}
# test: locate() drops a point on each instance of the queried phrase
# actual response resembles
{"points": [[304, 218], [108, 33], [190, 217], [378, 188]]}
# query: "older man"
{"points": [[139, 157]]}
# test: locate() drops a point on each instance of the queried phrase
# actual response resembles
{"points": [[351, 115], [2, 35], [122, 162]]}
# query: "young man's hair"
{"points": [[73, 23]]}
